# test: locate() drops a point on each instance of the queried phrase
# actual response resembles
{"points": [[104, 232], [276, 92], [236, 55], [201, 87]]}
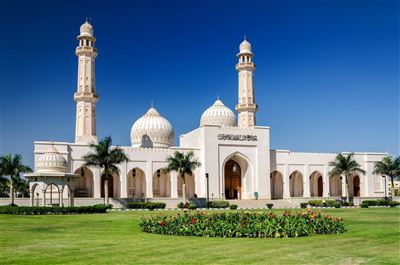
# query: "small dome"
{"points": [[152, 130], [245, 47], [86, 29], [218, 114], [52, 162]]}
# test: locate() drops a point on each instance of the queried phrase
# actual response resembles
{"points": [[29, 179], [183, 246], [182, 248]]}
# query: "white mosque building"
{"points": [[234, 151]]}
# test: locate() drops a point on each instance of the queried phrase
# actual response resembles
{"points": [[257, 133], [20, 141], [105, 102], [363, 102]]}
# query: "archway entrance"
{"points": [[84, 183], [316, 184], [233, 180], [161, 184], [136, 187], [276, 185], [320, 186], [296, 184], [110, 186], [335, 184], [356, 186]]}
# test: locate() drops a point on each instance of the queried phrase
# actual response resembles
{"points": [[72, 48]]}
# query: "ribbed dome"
{"points": [[245, 47], [51, 162], [86, 29], [152, 130], [218, 114]]}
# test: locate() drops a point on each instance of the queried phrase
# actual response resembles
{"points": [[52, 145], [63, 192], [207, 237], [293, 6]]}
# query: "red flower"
{"points": [[162, 223], [193, 220]]}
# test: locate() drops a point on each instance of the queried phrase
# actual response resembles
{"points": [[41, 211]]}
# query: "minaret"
{"points": [[85, 95], [246, 106]]}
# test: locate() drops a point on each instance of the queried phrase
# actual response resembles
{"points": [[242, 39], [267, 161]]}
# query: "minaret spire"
{"points": [[85, 96], [245, 67]]}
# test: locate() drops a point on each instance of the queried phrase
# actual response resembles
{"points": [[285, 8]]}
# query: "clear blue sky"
{"points": [[327, 77]]}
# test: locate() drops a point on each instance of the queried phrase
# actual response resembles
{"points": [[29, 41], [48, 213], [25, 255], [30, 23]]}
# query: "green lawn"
{"points": [[373, 237]]}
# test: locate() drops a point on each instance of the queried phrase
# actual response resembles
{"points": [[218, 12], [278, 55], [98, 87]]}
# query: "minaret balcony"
{"points": [[85, 50], [246, 107], [86, 97], [245, 66]]}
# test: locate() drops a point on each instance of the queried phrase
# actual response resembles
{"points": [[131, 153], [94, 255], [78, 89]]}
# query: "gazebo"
{"points": [[51, 177]]}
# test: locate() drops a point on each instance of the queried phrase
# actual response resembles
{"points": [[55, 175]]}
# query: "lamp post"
{"points": [[208, 198], [385, 188]]}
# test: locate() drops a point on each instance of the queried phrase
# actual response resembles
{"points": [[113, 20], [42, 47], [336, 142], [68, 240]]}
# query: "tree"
{"points": [[105, 157], [183, 164], [388, 167], [345, 166], [12, 166]]}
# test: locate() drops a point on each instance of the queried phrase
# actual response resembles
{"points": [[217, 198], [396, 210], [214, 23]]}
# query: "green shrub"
{"points": [[350, 204], [330, 203], [397, 192], [270, 205], [303, 205], [394, 203], [243, 224], [345, 203], [370, 202], [364, 205], [100, 208], [316, 203], [218, 204], [192, 206], [383, 202], [233, 206], [181, 205], [145, 205], [337, 205]]}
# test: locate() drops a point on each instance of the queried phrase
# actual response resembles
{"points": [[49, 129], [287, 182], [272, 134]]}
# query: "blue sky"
{"points": [[327, 77]]}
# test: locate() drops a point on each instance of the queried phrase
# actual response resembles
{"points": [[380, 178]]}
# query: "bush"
{"points": [[270, 205], [394, 203], [218, 204], [233, 206], [181, 205], [303, 205], [337, 205], [243, 224], [316, 203], [330, 203], [192, 206], [145, 205], [100, 208], [364, 205], [350, 204]]}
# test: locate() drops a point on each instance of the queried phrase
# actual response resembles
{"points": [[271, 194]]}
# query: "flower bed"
{"points": [[243, 224], [54, 210]]}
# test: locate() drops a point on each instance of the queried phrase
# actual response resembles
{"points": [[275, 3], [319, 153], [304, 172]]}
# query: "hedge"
{"points": [[243, 224], [218, 204], [100, 208], [233, 206], [146, 205], [367, 203]]}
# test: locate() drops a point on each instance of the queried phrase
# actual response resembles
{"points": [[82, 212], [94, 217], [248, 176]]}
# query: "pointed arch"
{"points": [[84, 183], [316, 184], [296, 184], [276, 184], [236, 184], [136, 187], [161, 183]]}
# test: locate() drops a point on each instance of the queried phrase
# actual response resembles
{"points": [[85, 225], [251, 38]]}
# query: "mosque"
{"points": [[234, 152]]}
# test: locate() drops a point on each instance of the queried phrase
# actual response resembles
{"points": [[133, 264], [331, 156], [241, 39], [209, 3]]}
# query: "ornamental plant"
{"points": [[243, 224]]}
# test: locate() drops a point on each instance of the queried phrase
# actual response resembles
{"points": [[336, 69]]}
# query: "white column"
{"points": [[31, 192], [60, 198], [344, 186], [44, 197], [124, 180], [286, 190], [174, 184], [97, 183], [306, 182], [325, 178], [149, 180]]}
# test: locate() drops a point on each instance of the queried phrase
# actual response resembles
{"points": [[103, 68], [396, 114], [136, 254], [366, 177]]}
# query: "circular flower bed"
{"points": [[243, 224]]}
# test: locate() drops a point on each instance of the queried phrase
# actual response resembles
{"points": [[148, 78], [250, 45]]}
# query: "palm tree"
{"points": [[105, 157], [12, 166], [345, 166], [184, 164], [388, 167]]}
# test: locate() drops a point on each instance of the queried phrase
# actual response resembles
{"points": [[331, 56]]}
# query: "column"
{"points": [[325, 178], [286, 190], [32, 193], [44, 197], [306, 183], [149, 180], [60, 198], [124, 180], [344, 186], [97, 183], [71, 198], [174, 184]]}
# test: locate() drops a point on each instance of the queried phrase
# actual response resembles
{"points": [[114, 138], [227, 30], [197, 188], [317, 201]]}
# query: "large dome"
{"points": [[152, 130], [51, 162], [218, 114]]}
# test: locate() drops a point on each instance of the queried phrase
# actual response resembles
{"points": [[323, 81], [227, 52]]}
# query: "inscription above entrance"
{"points": [[237, 137]]}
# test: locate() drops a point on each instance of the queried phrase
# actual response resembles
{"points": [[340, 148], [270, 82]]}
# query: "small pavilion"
{"points": [[51, 181]]}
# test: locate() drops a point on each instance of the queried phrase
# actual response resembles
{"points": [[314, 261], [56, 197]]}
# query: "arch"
{"points": [[84, 183], [35, 195], [354, 186], [235, 184], [190, 187], [335, 186], [316, 184], [113, 185], [136, 187], [276, 185], [52, 194], [296, 184], [161, 183]]}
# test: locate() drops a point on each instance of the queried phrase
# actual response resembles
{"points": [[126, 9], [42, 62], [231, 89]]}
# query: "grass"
{"points": [[373, 237]]}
